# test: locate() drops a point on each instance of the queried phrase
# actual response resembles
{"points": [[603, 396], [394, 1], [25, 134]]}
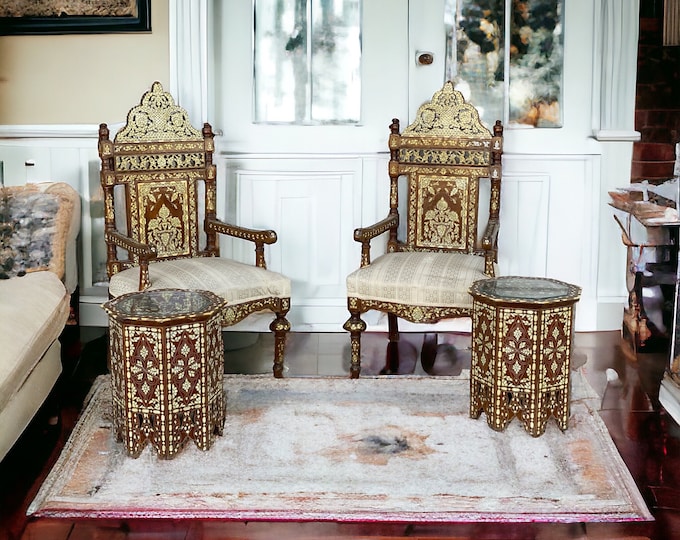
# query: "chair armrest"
{"points": [[253, 235], [490, 237], [366, 234], [143, 252], [490, 246], [257, 236]]}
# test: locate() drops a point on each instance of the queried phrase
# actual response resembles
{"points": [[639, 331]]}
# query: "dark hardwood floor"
{"points": [[647, 438]]}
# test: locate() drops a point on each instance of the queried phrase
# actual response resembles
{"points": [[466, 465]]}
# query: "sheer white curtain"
{"points": [[189, 57], [616, 29]]}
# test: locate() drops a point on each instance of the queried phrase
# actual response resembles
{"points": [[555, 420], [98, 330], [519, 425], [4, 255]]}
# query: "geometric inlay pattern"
{"points": [[521, 351], [167, 368]]}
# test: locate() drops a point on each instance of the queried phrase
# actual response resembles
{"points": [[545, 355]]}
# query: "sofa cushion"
{"points": [[27, 221], [33, 311], [38, 228]]}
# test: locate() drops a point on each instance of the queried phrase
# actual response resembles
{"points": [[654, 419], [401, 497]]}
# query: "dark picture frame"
{"points": [[78, 24]]}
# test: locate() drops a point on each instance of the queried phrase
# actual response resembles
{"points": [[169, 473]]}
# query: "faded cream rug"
{"points": [[375, 449]]}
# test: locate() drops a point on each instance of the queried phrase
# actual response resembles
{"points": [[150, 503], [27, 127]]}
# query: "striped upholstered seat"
{"points": [[236, 282], [423, 280]]}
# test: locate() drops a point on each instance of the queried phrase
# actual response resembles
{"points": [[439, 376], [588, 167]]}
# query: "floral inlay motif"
{"points": [[157, 117], [555, 348], [441, 223], [442, 204], [438, 117], [185, 365], [165, 230], [144, 368], [517, 349], [483, 339]]}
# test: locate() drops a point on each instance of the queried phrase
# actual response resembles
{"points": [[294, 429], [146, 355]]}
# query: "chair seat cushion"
{"points": [[418, 279], [236, 282], [33, 311]]}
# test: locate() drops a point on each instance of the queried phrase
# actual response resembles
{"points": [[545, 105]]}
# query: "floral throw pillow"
{"points": [[27, 224]]}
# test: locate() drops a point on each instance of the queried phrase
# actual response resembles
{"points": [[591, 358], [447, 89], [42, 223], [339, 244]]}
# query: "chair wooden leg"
{"points": [[280, 326], [355, 326], [391, 359], [428, 353], [392, 356]]}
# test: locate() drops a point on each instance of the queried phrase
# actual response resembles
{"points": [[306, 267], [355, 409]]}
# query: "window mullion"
{"points": [[310, 80], [507, 33]]}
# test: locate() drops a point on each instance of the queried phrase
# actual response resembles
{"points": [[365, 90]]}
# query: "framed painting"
{"points": [[74, 17]]}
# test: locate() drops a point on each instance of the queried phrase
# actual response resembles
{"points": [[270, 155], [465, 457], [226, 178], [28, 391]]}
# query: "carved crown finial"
{"points": [[157, 118], [447, 114]]}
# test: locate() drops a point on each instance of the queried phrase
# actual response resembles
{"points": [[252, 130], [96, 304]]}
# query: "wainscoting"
{"points": [[549, 222], [554, 220]]}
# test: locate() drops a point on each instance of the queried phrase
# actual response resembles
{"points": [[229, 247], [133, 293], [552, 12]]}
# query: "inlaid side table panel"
{"points": [[167, 369], [522, 334]]}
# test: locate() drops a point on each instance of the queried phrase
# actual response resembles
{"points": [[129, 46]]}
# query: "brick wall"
{"points": [[657, 101]]}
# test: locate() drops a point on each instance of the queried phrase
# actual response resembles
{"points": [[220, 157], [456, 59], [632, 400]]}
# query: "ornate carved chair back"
{"points": [[444, 154], [159, 182]]}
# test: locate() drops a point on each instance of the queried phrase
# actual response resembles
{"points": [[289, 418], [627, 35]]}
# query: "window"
{"points": [[480, 52], [307, 61]]}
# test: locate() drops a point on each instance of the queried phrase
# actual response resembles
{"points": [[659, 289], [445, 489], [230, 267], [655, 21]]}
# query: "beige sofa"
{"points": [[39, 224]]}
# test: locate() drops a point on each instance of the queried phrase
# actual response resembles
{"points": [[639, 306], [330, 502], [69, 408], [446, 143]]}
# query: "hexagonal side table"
{"points": [[522, 333], [167, 369]]}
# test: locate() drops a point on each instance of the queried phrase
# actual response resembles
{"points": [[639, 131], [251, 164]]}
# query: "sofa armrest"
{"points": [[68, 227]]}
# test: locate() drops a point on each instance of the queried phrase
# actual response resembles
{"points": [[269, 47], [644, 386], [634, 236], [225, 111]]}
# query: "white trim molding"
{"points": [[612, 135], [49, 131]]}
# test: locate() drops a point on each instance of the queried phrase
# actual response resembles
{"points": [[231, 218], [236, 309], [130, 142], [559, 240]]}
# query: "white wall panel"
{"points": [[523, 237], [549, 216], [314, 204], [550, 210]]}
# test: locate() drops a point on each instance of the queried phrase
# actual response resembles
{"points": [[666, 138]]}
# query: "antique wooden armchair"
{"points": [[425, 278], [161, 229]]}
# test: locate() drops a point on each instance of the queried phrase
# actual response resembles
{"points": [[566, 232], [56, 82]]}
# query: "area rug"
{"points": [[384, 449]]}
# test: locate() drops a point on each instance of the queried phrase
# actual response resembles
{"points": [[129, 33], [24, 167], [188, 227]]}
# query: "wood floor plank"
{"points": [[48, 529]]}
